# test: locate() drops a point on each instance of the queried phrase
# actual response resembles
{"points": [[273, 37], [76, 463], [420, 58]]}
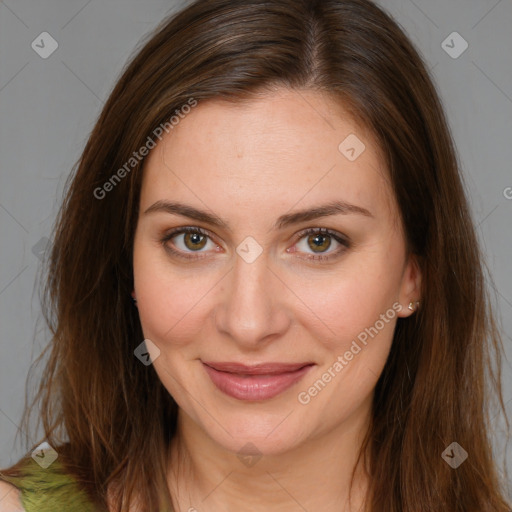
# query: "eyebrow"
{"points": [[333, 208]]}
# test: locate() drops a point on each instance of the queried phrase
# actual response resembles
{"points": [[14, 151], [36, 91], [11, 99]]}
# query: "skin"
{"points": [[250, 163]]}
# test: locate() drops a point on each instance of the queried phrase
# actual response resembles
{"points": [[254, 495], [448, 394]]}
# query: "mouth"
{"points": [[257, 382]]}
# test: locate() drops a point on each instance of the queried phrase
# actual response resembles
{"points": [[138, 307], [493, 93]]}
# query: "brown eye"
{"points": [[316, 242], [194, 241], [183, 242], [319, 242]]}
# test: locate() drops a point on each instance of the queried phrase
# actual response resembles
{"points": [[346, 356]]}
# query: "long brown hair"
{"points": [[437, 385]]}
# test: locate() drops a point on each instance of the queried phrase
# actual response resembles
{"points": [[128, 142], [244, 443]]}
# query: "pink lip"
{"points": [[257, 382]]}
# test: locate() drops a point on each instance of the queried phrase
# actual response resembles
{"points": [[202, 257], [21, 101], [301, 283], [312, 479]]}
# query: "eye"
{"points": [[194, 240], [315, 242], [190, 239]]}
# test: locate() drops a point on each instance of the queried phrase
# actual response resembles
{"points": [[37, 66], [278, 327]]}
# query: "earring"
{"points": [[134, 300], [413, 305]]}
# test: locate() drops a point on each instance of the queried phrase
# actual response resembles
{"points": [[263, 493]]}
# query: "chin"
{"points": [[264, 432]]}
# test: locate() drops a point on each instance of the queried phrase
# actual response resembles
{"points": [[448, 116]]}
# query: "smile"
{"points": [[253, 383]]}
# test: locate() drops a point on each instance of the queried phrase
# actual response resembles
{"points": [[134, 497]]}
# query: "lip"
{"points": [[256, 382]]}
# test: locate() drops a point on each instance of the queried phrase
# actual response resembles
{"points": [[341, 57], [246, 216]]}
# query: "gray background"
{"points": [[48, 107]]}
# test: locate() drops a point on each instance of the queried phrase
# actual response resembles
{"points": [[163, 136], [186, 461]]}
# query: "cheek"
{"points": [[358, 321], [169, 302], [171, 313], [357, 339], [361, 295]]}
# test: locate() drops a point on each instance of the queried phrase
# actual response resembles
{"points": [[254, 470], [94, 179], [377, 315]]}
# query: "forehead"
{"points": [[276, 148]]}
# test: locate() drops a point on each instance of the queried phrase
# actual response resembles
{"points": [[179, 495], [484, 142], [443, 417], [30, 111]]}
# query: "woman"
{"points": [[265, 288]]}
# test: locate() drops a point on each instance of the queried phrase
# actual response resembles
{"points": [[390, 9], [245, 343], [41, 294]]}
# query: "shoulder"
{"points": [[10, 498], [33, 488]]}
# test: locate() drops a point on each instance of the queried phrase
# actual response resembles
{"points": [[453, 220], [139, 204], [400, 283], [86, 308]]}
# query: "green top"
{"points": [[50, 489]]}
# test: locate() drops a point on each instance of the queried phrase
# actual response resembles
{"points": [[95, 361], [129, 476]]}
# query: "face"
{"points": [[273, 324]]}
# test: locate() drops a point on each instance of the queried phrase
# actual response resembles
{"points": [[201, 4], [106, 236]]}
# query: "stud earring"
{"points": [[413, 305]]}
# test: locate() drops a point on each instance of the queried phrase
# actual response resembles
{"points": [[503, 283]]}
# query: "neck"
{"points": [[204, 477]]}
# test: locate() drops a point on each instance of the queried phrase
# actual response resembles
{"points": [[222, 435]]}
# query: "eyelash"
{"points": [[338, 237]]}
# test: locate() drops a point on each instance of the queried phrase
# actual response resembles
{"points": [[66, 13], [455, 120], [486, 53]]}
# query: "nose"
{"points": [[252, 308]]}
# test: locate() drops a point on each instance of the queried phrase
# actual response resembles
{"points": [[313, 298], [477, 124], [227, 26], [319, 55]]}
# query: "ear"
{"points": [[134, 298], [410, 287]]}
